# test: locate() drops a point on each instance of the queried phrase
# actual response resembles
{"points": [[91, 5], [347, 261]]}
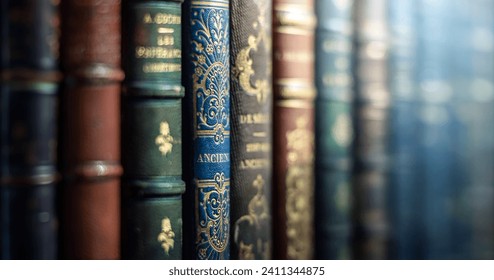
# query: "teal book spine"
{"points": [[334, 129], [152, 184], [210, 71]]}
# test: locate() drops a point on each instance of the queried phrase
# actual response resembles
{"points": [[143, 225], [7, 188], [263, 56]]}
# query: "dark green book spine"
{"points": [[334, 129], [28, 129], [152, 130], [251, 83]]}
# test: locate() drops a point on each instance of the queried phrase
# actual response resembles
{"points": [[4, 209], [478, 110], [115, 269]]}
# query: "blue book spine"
{"points": [[436, 126], [474, 199], [403, 198], [210, 55], [334, 129], [464, 129]]}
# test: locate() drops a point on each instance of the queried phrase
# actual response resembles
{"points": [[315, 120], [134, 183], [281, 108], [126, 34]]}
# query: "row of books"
{"points": [[253, 129]]}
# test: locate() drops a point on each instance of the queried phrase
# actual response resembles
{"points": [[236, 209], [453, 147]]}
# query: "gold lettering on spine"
{"points": [[163, 25], [252, 73], [299, 190], [161, 18], [165, 40], [213, 158], [258, 118], [257, 163], [257, 147], [161, 67], [166, 237], [157, 52]]}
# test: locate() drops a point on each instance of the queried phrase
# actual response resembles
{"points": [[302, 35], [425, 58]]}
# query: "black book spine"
{"points": [[251, 85], [28, 127]]}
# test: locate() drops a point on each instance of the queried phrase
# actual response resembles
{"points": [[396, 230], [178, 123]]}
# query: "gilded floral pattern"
{"points": [[213, 220], [243, 70], [166, 237], [164, 140], [210, 56], [258, 218], [211, 75], [299, 191]]}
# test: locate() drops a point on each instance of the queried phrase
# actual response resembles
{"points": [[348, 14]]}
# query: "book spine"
{"points": [[371, 130], [152, 130], [482, 203], [251, 116], [210, 70], [436, 126], [334, 129], [474, 207], [90, 50], [28, 129], [404, 199], [293, 128]]}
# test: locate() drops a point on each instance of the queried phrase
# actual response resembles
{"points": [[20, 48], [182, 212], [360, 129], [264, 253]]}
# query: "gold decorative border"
{"points": [[210, 4]]}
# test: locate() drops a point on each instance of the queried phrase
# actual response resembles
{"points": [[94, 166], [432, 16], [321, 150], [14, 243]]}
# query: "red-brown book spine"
{"points": [[293, 128], [91, 126]]}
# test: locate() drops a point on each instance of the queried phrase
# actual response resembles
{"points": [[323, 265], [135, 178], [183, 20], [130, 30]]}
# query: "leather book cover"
{"points": [[152, 184], [371, 123], [334, 129], [251, 116], [29, 80], [293, 128], [208, 108], [90, 50]]}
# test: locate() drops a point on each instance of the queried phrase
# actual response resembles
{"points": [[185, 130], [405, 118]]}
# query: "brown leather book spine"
{"points": [[293, 128], [91, 129]]}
